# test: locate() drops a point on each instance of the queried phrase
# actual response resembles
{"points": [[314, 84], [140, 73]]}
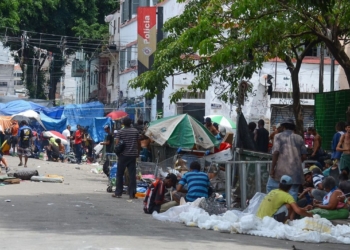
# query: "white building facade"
{"points": [[258, 105]]}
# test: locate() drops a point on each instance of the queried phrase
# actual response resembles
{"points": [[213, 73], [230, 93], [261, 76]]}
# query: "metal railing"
{"points": [[231, 169]]}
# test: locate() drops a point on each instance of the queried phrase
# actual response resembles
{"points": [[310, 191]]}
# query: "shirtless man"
{"points": [[316, 149], [344, 146]]}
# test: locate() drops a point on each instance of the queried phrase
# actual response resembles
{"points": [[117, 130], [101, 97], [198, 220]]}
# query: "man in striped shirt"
{"points": [[127, 159], [197, 184]]}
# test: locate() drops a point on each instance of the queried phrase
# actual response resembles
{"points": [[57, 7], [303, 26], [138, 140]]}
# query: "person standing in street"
{"points": [[25, 135], [261, 137], [340, 128], [109, 143], [78, 139], [288, 153], [344, 147], [127, 159], [67, 136], [14, 133]]}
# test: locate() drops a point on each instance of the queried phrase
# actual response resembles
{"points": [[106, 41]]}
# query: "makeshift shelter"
{"points": [[82, 114], [5, 122], [96, 131], [30, 114], [53, 124], [19, 106], [53, 112]]}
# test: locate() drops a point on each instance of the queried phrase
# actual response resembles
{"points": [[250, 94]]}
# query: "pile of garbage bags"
{"points": [[314, 230]]}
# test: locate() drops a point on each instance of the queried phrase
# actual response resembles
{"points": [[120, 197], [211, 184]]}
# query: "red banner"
{"points": [[146, 34]]}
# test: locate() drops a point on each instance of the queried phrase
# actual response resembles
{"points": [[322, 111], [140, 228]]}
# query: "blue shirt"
{"points": [[336, 138], [197, 184]]}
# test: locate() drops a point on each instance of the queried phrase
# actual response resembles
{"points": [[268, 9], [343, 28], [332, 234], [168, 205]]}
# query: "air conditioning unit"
{"points": [[133, 63]]}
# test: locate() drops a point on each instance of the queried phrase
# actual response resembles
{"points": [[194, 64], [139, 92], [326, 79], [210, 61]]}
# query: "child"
{"points": [[333, 171]]}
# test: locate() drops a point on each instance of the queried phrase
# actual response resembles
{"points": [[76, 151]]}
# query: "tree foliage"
{"points": [[223, 41], [80, 21]]}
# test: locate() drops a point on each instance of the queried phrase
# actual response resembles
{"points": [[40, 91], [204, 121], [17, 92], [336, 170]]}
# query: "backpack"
{"points": [[119, 148]]}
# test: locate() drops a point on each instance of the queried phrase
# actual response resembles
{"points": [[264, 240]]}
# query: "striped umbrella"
{"points": [[223, 121], [181, 131]]}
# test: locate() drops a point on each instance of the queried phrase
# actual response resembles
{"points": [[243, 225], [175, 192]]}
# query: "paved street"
{"points": [[80, 214]]}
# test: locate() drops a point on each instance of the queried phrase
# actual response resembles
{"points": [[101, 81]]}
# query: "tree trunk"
{"points": [[298, 115]]}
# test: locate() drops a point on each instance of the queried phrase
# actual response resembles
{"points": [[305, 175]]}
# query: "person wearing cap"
{"points": [[209, 125], [155, 195], [288, 153], [304, 197], [279, 204], [109, 144]]}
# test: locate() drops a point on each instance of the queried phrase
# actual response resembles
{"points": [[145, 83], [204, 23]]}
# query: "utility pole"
{"points": [[63, 50], [23, 41]]}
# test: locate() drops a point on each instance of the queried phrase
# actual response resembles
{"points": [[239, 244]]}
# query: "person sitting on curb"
{"points": [[154, 200], [197, 184], [280, 205], [318, 193], [331, 207]]}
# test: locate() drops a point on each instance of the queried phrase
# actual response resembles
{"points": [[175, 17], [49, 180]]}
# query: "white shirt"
{"points": [[66, 133]]}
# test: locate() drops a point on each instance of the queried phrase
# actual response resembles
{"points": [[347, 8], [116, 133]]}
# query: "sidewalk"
{"points": [[80, 214]]}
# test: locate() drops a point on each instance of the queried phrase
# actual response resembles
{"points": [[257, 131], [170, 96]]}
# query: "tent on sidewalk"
{"points": [[5, 122], [31, 115], [53, 124], [19, 106]]}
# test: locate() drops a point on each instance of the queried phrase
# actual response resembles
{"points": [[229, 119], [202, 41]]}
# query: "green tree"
{"points": [[81, 21], [221, 43]]}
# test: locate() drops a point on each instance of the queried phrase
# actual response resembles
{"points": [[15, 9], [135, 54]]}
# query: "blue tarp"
{"points": [[82, 114], [97, 131], [53, 124], [18, 106], [54, 112]]}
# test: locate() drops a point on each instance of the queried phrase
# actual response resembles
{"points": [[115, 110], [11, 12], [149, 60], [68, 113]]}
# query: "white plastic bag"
{"points": [[172, 214], [254, 203]]}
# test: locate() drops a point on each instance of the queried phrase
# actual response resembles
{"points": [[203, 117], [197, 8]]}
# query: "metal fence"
{"points": [[231, 167]]}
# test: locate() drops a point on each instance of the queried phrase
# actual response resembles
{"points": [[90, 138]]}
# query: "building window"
{"points": [[18, 82], [3, 84], [194, 95], [122, 60], [128, 56], [18, 74]]}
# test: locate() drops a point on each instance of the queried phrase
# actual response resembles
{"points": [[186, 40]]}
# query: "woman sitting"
{"points": [[331, 207]]}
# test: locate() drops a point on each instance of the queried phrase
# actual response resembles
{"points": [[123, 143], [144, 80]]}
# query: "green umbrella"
{"points": [[223, 121], [181, 131]]}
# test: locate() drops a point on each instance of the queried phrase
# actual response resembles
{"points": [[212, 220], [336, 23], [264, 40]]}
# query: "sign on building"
{"points": [[146, 37]]}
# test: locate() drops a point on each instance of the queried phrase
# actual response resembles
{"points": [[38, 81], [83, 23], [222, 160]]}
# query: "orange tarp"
{"points": [[5, 122]]}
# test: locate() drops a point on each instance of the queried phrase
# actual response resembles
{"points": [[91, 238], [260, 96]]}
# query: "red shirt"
{"points": [[78, 137]]}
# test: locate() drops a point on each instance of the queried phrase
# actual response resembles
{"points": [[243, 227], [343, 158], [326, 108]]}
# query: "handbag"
{"points": [[119, 148]]}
